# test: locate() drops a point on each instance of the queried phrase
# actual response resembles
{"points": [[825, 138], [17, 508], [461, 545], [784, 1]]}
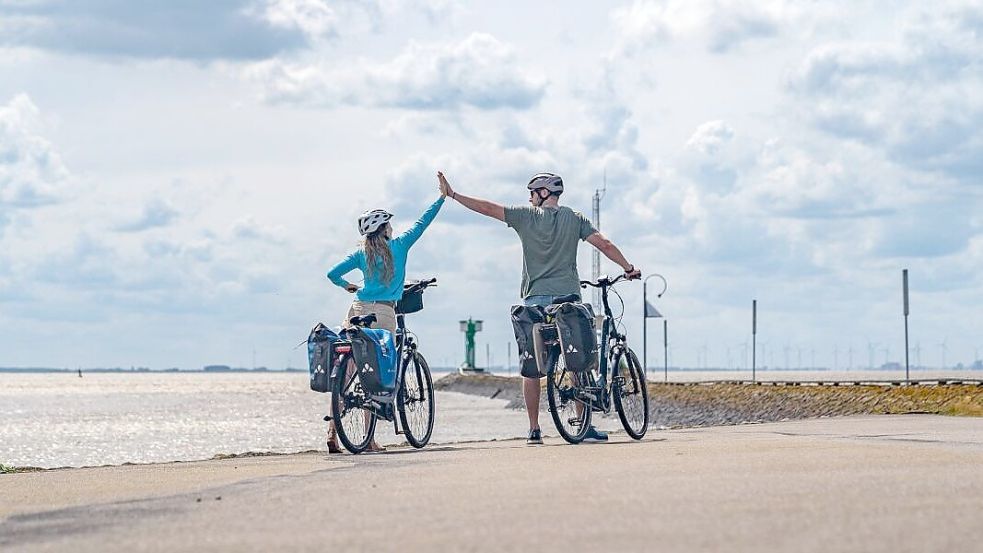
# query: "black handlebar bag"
{"points": [[411, 302], [320, 347], [578, 340], [524, 318]]}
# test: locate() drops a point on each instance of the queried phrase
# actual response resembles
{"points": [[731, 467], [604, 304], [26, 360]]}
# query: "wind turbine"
{"points": [[871, 347], [887, 353], [786, 348], [944, 349], [850, 357], [836, 357], [918, 354]]}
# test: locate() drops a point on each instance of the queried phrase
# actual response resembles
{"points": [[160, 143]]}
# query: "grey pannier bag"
{"points": [[524, 317], [578, 340]]}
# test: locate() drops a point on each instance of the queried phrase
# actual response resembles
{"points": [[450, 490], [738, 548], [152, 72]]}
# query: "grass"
{"points": [[7, 469]]}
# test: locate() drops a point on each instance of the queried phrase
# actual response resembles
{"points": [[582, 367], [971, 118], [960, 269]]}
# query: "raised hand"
{"points": [[445, 187]]}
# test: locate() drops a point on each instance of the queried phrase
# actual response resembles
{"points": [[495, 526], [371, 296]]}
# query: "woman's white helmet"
{"points": [[549, 181], [370, 221]]}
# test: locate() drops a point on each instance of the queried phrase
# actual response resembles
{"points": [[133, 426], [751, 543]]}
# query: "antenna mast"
{"points": [[595, 254]]}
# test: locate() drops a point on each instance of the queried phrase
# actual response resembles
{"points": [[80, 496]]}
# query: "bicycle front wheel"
{"points": [[416, 402], [570, 407], [354, 423], [631, 396]]}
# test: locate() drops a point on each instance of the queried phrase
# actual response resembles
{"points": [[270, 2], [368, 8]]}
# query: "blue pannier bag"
{"points": [[320, 345], [375, 358]]}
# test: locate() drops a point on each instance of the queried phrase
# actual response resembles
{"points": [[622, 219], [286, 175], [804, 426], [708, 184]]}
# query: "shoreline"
{"points": [[674, 406], [697, 404]]}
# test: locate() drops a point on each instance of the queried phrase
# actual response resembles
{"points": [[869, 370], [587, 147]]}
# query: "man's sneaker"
{"points": [[535, 437], [595, 435]]}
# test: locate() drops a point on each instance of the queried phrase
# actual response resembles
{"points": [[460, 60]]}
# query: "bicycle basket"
{"points": [[411, 302]]}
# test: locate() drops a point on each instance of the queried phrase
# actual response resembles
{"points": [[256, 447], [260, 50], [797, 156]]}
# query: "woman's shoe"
{"points": [[333, 444]]}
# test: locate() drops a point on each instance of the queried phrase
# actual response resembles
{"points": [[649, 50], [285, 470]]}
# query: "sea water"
{"points": [[59, 419]]}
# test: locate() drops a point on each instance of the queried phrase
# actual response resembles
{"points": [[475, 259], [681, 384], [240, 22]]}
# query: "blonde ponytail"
{"points": [[378, 255]]}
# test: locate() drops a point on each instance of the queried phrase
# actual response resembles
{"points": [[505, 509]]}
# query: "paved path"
{"points": [[899, 483]]}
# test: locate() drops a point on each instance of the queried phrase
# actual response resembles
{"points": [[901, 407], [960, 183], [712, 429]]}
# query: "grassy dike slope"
{"points": [[684, 405]]}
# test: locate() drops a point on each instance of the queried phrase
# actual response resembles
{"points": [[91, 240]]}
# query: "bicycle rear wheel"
{"points": [[569, 407], [631, 396], [416, 402], [354, 423]]}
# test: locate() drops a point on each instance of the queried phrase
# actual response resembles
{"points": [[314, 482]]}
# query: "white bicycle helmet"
{"points": [[370, 221], [549, 181]]}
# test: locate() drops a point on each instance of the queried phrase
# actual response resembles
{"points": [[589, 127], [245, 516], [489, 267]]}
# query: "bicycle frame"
{"points": [[382, 405], [607, 351]]}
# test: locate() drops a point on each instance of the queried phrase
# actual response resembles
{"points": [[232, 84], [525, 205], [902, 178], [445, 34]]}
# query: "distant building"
{"points": [[216, 368]]}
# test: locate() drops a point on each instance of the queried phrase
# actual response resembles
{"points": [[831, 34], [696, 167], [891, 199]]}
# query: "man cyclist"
{"points": [[550, 235]]}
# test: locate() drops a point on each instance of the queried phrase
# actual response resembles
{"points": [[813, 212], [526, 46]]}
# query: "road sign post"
{"points": [[754, 339], [904, 291]]}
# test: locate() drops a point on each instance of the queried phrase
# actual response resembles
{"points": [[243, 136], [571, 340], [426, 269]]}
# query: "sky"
{"points": [[177, 177]]}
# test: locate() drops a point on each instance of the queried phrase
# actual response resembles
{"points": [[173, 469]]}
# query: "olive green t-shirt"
{"points": [[549, 236]]}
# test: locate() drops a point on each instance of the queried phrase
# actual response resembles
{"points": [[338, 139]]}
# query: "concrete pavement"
{"points": [[877, 483]]}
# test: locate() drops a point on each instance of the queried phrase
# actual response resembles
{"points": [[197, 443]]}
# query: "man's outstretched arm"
{"points": [[612, 252], [484, 207]]}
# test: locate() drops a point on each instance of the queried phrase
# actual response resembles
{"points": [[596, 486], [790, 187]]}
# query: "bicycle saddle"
{"points": [[566, 299], [365, 321]]}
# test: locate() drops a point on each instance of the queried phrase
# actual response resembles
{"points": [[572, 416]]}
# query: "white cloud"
{"points": [[916, 98], [31, 172], [479, 71], [313, 17], [183, 29], [723, 25], [156, 213]]}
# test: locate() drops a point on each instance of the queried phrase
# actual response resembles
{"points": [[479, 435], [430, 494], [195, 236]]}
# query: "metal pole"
{"points": [[665, 345], [754, 339], [645, 322], [904, 286]]}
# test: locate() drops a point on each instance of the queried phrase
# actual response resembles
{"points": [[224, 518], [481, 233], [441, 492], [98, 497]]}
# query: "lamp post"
{"points": [[646, 314]]}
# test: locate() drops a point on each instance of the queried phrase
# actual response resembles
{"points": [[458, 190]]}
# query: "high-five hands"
{"points": [[445, 187]]}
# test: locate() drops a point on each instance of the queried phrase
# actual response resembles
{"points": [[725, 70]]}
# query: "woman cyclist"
{"points": [[382, 260]]}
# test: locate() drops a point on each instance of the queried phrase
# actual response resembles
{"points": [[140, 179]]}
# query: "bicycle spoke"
{"points": [[416, 402], [631, 396]]}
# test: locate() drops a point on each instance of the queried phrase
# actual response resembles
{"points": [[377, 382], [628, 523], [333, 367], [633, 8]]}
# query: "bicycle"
{"points": [[574, 395], [355, 411]]}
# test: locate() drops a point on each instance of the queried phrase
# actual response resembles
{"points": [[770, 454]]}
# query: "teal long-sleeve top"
{"points": [[373, 288]]}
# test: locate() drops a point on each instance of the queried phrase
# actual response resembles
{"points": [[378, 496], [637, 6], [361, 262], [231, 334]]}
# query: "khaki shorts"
{"points": [[385, 314]]}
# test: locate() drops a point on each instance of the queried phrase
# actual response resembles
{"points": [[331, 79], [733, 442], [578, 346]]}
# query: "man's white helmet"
{"points": [[549, 181], [370, 221]]}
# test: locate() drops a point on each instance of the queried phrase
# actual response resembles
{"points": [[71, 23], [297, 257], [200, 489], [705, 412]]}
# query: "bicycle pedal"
{"points": [[327, 418]]}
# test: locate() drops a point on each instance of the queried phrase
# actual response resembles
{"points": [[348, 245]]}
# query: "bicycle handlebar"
{"points": [[420, 285], [603, 282]]}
